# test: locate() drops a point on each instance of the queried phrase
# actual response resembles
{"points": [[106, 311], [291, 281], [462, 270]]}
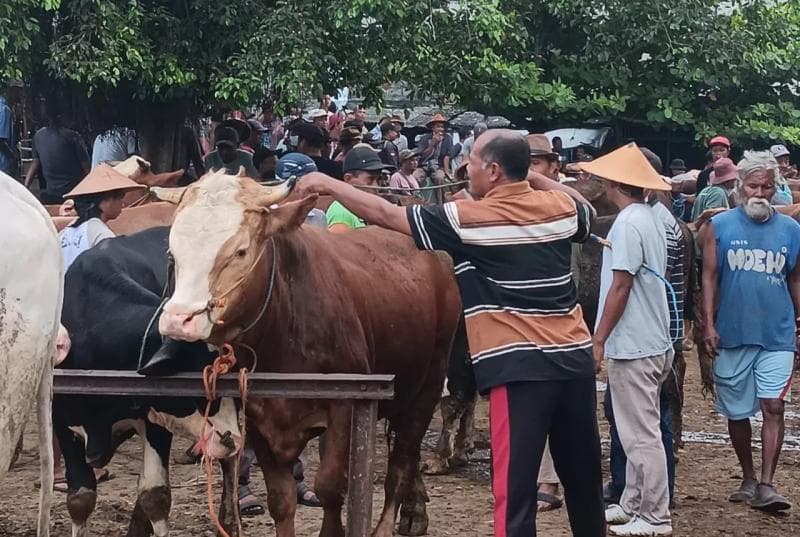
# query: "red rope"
{"points": [[222, 366]]}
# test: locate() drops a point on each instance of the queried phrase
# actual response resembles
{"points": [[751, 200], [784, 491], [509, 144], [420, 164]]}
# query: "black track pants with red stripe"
{"points": [[521, 415]]}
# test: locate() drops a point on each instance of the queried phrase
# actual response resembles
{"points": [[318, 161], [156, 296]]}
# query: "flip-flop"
{"points": [[59, 484], [249, 504], [767, 499], [553, 502], [103, 476], [745, 492], [306, 496]]}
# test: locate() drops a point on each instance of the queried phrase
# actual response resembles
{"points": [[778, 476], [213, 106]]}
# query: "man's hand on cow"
{"points": [[599, 351], [711, 339], [314, 183]]}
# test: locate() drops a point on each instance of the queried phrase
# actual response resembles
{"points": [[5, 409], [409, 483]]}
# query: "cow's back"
{"points": [[111, 292], [385, 294], [31, 286]]}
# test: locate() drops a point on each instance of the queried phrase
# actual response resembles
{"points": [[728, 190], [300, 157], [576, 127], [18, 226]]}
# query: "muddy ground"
{"points": [[461, 504]]}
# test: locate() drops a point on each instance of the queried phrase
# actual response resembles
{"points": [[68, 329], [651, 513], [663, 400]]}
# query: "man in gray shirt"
{"points": [[632, 331]]}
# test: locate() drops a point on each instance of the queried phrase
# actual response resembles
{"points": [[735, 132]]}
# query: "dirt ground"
{"points": [[461, 504]]}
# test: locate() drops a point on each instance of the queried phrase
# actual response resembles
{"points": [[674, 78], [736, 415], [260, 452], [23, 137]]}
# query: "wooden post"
{"points": [[362, 449]]}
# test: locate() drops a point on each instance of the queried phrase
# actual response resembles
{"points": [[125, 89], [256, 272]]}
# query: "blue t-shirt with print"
{"points": [[753, 265]]}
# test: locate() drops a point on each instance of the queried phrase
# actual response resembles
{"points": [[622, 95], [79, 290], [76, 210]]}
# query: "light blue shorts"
{"points": [[744, 375]]}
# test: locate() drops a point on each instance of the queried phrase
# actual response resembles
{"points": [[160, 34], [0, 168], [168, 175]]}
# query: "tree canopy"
{"points": [[700, 65]]}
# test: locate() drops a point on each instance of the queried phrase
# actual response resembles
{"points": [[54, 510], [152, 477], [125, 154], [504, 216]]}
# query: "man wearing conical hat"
{"points": [[98, 199], [632, 332]]}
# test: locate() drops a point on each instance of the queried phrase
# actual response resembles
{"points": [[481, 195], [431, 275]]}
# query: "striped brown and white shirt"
{"points": [[511, 252]]}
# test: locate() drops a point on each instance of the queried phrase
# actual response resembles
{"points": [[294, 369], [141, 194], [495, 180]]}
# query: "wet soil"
{"points": [[460, 504]]}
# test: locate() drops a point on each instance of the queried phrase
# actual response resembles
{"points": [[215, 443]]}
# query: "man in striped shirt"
{"points": [[530, 348]]}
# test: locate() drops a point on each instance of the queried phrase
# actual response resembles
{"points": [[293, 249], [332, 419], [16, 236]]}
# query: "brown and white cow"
{"points": [[307, 301]]}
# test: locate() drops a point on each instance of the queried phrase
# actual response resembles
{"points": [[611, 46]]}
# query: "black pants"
{"points": [[522, 415]]}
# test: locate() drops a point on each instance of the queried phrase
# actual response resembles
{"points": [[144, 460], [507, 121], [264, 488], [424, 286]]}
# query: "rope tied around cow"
{"points": [[223, 364]]}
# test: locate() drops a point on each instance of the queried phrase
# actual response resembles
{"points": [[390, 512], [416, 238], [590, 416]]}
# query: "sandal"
{"points": [[745, 492], [101, 475], [552, 502], [249, 504], [767, 499], [59, 483], [306, 496]]}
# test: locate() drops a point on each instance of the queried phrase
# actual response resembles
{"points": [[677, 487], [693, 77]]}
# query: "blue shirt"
{"points": [[7, 150], [753, 265]]}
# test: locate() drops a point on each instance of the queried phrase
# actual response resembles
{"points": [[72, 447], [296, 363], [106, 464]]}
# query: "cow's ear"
{"points": [[173, 195], [290, 215]]}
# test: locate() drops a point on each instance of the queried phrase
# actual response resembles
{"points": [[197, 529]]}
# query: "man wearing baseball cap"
{"points": [[782, 155], [297, 165], [719, 147], [228, 156], [783, 194], [361, 167]]}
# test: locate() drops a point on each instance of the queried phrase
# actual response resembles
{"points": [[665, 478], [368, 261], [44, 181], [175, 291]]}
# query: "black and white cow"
{"points": [[112, 292]]}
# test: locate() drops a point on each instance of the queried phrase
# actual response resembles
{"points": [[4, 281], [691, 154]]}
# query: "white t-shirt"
{"points": [[77, 239], [637, 237]]}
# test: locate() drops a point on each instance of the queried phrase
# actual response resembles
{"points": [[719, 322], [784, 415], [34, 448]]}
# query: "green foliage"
{"points": [[704, 65], [700, 65]]}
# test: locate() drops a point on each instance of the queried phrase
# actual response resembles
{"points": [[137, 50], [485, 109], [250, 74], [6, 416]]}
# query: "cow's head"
{"points": [[223, 255]]}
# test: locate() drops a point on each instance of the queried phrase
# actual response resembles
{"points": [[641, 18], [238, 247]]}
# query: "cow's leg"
{"points": [[281, 486], [228, 510], [331, 481], [436, 464], [465, 437], [154, 500], [413, 513], [81, 482], [403, 468], [675, 394]]}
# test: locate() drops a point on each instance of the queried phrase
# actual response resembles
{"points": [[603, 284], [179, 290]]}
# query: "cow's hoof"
{"points": [[156, 503], [413, 520], [80, 505], [435, 466]]}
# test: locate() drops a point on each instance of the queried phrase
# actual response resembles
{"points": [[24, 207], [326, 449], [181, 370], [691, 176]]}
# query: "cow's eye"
{"points": [[241, 252]]}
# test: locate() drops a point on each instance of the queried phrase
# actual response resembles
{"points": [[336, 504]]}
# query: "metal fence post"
{"points": [[362, 449]]}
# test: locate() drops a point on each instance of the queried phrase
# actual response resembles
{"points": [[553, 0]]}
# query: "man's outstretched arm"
{"points": [[369, 207]]}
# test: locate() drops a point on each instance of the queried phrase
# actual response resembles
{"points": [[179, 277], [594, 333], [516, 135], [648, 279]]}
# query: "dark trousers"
{"points": [[618, 459], [522, 415]]}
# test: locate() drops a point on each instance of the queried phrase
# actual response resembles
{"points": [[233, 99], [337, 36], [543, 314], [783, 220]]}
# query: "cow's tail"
{"points": [[44, 415]]}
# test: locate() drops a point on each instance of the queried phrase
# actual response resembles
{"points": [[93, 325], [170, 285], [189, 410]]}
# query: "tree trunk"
{"points": [[160, 129]]}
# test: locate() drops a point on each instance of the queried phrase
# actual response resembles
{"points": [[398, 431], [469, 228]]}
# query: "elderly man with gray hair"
{"points": [[751, 303]]}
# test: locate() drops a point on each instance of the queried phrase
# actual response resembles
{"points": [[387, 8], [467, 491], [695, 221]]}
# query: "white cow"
{"points": [[31, 291]]}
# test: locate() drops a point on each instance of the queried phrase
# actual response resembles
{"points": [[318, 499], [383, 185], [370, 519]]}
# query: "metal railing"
{"points": [[365, 391]]}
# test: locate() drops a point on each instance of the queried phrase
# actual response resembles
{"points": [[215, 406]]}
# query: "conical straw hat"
{"points": [[626, 165], [102, 178]]}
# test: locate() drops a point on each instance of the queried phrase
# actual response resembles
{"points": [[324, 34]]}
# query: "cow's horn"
{"points": [[172, 195], [242, 172], [275, 194]]}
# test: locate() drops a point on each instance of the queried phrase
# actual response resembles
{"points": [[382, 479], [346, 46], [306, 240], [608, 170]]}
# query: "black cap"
{"points": [[365, 158]]}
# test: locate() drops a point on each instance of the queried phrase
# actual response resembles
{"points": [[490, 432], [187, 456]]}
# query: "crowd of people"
{"points": [[513, 224]]}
